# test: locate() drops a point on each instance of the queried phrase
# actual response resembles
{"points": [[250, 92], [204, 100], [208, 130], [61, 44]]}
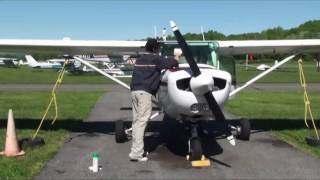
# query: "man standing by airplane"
{"points": [[145, 84]]}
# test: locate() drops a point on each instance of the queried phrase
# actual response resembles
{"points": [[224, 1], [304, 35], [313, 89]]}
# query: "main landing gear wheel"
{"points": [[243, 130], [195, 149], [121, 135]]}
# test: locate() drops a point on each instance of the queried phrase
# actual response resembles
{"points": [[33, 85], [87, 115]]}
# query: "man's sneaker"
{"points": [[144, 158], [140, 159]]}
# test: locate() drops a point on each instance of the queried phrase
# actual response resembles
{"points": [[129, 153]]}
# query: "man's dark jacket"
{"points": [[146, 73]]}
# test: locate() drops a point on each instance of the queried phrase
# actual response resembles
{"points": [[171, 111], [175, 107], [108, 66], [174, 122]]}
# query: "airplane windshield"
{"points": [[201, 53]]}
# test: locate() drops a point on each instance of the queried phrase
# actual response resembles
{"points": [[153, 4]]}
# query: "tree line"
{"points": [[307, 30]]}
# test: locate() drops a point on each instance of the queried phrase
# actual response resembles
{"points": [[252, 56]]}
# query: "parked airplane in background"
{"points": [[261, 67], [111, 64], [96, 58], [42, 65], [193, 94], [116, 72], [76, 65]]}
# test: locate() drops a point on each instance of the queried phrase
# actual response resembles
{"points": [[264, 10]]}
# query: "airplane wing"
{"points": [[71, 47], [259, 46], [268, 46]]}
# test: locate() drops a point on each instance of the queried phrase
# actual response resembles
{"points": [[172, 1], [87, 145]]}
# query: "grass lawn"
{"points": [[26, 75], [27, 166], [288, 73], [280, 112], [28, 108]]}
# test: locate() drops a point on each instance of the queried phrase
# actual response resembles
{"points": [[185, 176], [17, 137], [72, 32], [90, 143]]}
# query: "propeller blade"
{"points": [[185, 50], [219, 116], [213, 105]]}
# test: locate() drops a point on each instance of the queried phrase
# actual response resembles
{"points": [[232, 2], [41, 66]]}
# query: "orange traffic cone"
{"points": [[11, 146]]}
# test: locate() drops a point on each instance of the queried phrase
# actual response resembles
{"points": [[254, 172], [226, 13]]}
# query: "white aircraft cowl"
{"points": [[202, 84]]}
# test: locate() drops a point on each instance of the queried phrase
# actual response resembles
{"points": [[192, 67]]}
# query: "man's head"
{"points": [[152, 46]]}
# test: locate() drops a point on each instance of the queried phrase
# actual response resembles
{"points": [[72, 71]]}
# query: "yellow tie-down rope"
{"points": [[53, 98], [307, 105]]}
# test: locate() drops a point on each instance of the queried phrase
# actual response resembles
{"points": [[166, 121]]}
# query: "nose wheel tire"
{"points": [[195, 149], [243, 130], [120, 133]]}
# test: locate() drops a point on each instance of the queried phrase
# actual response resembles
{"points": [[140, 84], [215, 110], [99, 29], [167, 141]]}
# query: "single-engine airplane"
{"points": [[194, 92], [74, 65], [42, 65]]}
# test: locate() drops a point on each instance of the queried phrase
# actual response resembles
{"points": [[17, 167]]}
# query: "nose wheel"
{"points": [[195, 146], [195, 149]]}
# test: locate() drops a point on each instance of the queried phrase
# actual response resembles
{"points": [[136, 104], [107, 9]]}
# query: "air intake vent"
{"points": [[184, 84], [219, 83]]}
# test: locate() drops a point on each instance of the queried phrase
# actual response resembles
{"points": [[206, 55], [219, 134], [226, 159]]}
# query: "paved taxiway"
{"points": [[261, 157]]}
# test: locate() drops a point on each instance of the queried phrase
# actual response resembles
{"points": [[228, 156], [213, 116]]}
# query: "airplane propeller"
{"points": [[202, 84]]}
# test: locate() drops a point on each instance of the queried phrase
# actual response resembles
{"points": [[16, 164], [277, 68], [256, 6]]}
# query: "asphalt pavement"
{"points": [[263, 157]]}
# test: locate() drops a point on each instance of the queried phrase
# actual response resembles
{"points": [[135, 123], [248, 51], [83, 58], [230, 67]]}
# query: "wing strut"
{"points": [[102, 72], [108, 76], [253, 80]]}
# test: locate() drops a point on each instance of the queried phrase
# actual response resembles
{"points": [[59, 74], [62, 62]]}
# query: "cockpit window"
{"points": [[201, 53]]}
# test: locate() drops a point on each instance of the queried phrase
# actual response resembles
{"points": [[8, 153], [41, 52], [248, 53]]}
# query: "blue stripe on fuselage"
{"points": [[56, 66]]}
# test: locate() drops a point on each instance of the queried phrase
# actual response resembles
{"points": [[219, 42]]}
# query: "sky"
{"points": [[133, 20]]}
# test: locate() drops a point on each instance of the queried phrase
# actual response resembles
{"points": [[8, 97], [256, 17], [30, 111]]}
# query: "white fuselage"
{"points": [[177, 99], [46, 65], [42, 65]]}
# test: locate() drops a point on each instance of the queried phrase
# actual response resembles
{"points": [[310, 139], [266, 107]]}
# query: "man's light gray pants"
{"points": [[141, 108]]}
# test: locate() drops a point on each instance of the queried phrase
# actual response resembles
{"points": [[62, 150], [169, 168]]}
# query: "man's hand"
{"points": [[177, 53]]}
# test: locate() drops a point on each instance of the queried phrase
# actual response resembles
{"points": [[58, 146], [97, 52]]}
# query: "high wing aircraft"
{"points": [[105, 63], [42, 65], [95, 58], [76, 65], [109, 69], [191, 94]]}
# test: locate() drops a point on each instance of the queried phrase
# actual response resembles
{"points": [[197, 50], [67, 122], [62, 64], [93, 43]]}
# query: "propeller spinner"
{"points": [[201, 84]]}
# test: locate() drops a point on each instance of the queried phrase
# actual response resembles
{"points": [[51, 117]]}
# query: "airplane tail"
{"points": [[31, 61]]}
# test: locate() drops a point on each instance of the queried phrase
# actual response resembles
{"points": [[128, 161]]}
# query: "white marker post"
{"points": [[95, 162]]}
